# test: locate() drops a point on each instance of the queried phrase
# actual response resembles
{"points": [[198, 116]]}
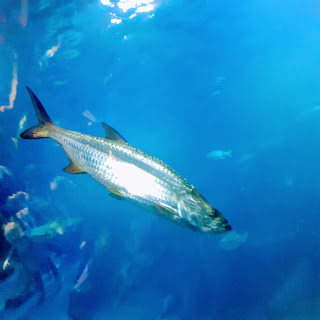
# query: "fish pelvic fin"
{"points": [[116, 194], [40, 130]]}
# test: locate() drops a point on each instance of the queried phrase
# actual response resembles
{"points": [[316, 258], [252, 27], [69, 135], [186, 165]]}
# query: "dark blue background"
{"points": [[166, 98]]}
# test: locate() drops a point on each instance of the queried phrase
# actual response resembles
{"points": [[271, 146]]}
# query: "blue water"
{"points": [[180, 81]]}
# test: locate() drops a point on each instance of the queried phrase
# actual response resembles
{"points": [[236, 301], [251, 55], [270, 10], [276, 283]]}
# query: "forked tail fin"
{"points": [[40, 130]]}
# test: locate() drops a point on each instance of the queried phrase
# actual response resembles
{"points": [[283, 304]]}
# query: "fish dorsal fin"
{"points": [[112, 134], [73, 168]]}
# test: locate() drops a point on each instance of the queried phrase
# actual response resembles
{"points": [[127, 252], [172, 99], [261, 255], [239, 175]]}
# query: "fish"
{"points": [[51, 229], [21, 127], [130, 174], [219, 154], [233, 240], [4, 171]]}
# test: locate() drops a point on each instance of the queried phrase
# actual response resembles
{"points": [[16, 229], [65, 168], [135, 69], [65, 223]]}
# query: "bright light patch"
{"points": [[141, 5], [116, 21], [137, 181], [146, 8], [89, 115], [43, 61], [52, 51], [124, 6], [133, 7], [106, 2]]}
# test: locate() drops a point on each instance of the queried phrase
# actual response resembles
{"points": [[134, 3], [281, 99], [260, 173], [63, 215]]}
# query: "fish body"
{"points": [[131, 174]]}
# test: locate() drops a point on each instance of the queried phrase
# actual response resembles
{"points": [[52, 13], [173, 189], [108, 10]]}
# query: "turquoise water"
{"points": [[227, 93]]}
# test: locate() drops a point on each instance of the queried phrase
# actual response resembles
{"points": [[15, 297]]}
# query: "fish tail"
{"points": [[40, 130]]}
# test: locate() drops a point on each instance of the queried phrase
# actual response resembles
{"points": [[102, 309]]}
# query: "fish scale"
{"points": [[130, 173]]}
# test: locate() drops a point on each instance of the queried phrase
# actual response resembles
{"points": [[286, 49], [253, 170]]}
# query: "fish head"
{"points": [[198, 214]]}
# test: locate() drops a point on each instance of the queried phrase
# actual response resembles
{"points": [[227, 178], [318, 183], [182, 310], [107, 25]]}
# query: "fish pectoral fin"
{"points": [[73, 168], [164, 208], [112, 134], [115, 193]]}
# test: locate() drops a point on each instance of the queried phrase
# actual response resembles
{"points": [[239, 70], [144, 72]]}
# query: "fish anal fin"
{"points": [[112, 134], [73, 168]]}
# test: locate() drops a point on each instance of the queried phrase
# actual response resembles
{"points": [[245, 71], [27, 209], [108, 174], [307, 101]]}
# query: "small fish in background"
{"points": [[216, 86], [220, 79], [43, 61], [233, 240], [59, 83], [215, 93], [51, 229], [26, 218], [21, 128], [108, 77], [289, 182], [4, 171], [315, 109], [54, 184], [219, 154], [246, 157], [309, 112]]}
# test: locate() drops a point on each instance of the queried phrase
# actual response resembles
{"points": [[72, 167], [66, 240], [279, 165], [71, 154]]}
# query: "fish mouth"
{"points": [[225, 227], [220, 223], [216, 225]]}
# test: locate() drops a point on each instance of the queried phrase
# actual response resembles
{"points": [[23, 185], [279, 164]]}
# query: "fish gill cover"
{"points": [[226, 94]]}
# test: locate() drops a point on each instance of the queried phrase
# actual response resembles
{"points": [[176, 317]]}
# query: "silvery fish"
{"points": [[219, 154], [131, 174]]}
